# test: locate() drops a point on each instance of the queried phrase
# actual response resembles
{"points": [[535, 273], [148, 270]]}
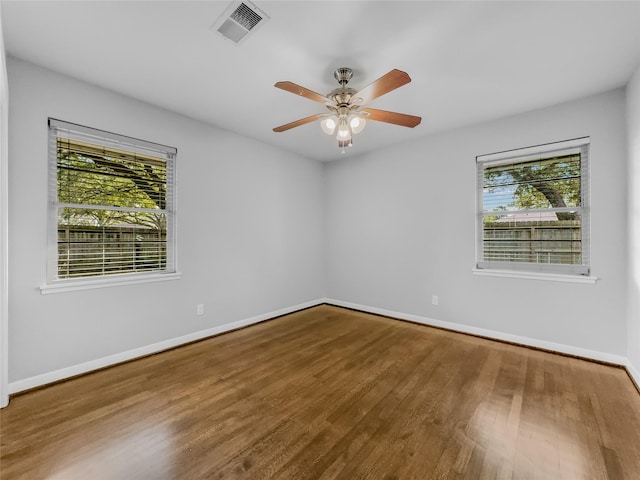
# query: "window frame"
{"points": [[559, 272], [61, 129]]}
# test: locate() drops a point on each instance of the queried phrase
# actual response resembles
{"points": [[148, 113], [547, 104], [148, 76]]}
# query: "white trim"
{"points": [[108, 281], [71, 371], [633, 372], [61, 374], [4, 227], [492, 334], [553, 277]]}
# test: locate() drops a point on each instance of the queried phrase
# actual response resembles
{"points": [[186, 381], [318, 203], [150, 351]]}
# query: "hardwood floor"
{"points": [[329, 393]]}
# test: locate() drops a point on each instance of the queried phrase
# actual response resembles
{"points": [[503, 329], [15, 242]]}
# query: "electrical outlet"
{"points": [[200, 309], [434, 299]]}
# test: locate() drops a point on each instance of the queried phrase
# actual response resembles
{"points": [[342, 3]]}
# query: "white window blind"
{"points": [[111, 204], [533, 209]]}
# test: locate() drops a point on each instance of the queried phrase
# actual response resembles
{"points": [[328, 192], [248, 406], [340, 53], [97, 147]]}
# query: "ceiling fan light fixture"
{"points": [[344, 103], [329, 125]]}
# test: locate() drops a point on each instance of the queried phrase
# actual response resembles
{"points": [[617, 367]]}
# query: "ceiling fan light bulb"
{"points": [[344, 132], [328, 125], [357, 124]]}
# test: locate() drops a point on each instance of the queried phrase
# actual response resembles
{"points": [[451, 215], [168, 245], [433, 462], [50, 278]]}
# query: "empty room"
{"points": [[382, 240]]}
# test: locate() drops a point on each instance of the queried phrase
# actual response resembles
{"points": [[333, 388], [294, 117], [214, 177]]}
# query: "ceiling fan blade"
{"points": [[297, 123], [401, 119], [303, 92], [385, 84]]}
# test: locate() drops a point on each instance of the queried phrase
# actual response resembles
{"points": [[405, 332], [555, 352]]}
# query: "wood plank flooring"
{"points": [[329, 393]]}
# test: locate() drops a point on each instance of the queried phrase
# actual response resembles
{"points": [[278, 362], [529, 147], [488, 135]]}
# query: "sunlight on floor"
{"points": [[540, 453], [145, 451]]}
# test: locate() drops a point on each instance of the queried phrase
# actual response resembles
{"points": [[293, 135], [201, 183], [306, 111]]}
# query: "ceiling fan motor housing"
{"points": [[343, 94], [343, 75]]}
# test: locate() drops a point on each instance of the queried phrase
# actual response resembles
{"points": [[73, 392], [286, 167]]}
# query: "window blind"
{"points": [[533, 209], [111, 204]]}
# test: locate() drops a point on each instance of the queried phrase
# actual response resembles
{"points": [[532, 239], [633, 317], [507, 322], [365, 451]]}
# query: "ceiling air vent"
{"points": [[238, 20]]}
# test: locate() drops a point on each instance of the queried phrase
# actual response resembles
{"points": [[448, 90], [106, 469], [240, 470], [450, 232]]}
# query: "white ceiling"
{"points": [[469, 61]]}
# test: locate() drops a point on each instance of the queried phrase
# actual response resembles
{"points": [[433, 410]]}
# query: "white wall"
{"points": [[263, 231], [249, 232], [633, 133], [400, 228]]}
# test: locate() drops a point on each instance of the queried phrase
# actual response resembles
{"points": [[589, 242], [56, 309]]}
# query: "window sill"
{"points": [[71, 286], [553, 277]]}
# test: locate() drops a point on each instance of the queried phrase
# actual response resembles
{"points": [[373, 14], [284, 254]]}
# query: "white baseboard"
{"points": [[634, 373], [67, 372], [507, 337]]}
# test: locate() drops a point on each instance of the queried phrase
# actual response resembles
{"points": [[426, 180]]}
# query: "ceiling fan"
{"points": [[345, 105]]}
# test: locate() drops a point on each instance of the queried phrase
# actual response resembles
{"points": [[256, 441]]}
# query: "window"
{"points": [[111, 205], [533, 209]]}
